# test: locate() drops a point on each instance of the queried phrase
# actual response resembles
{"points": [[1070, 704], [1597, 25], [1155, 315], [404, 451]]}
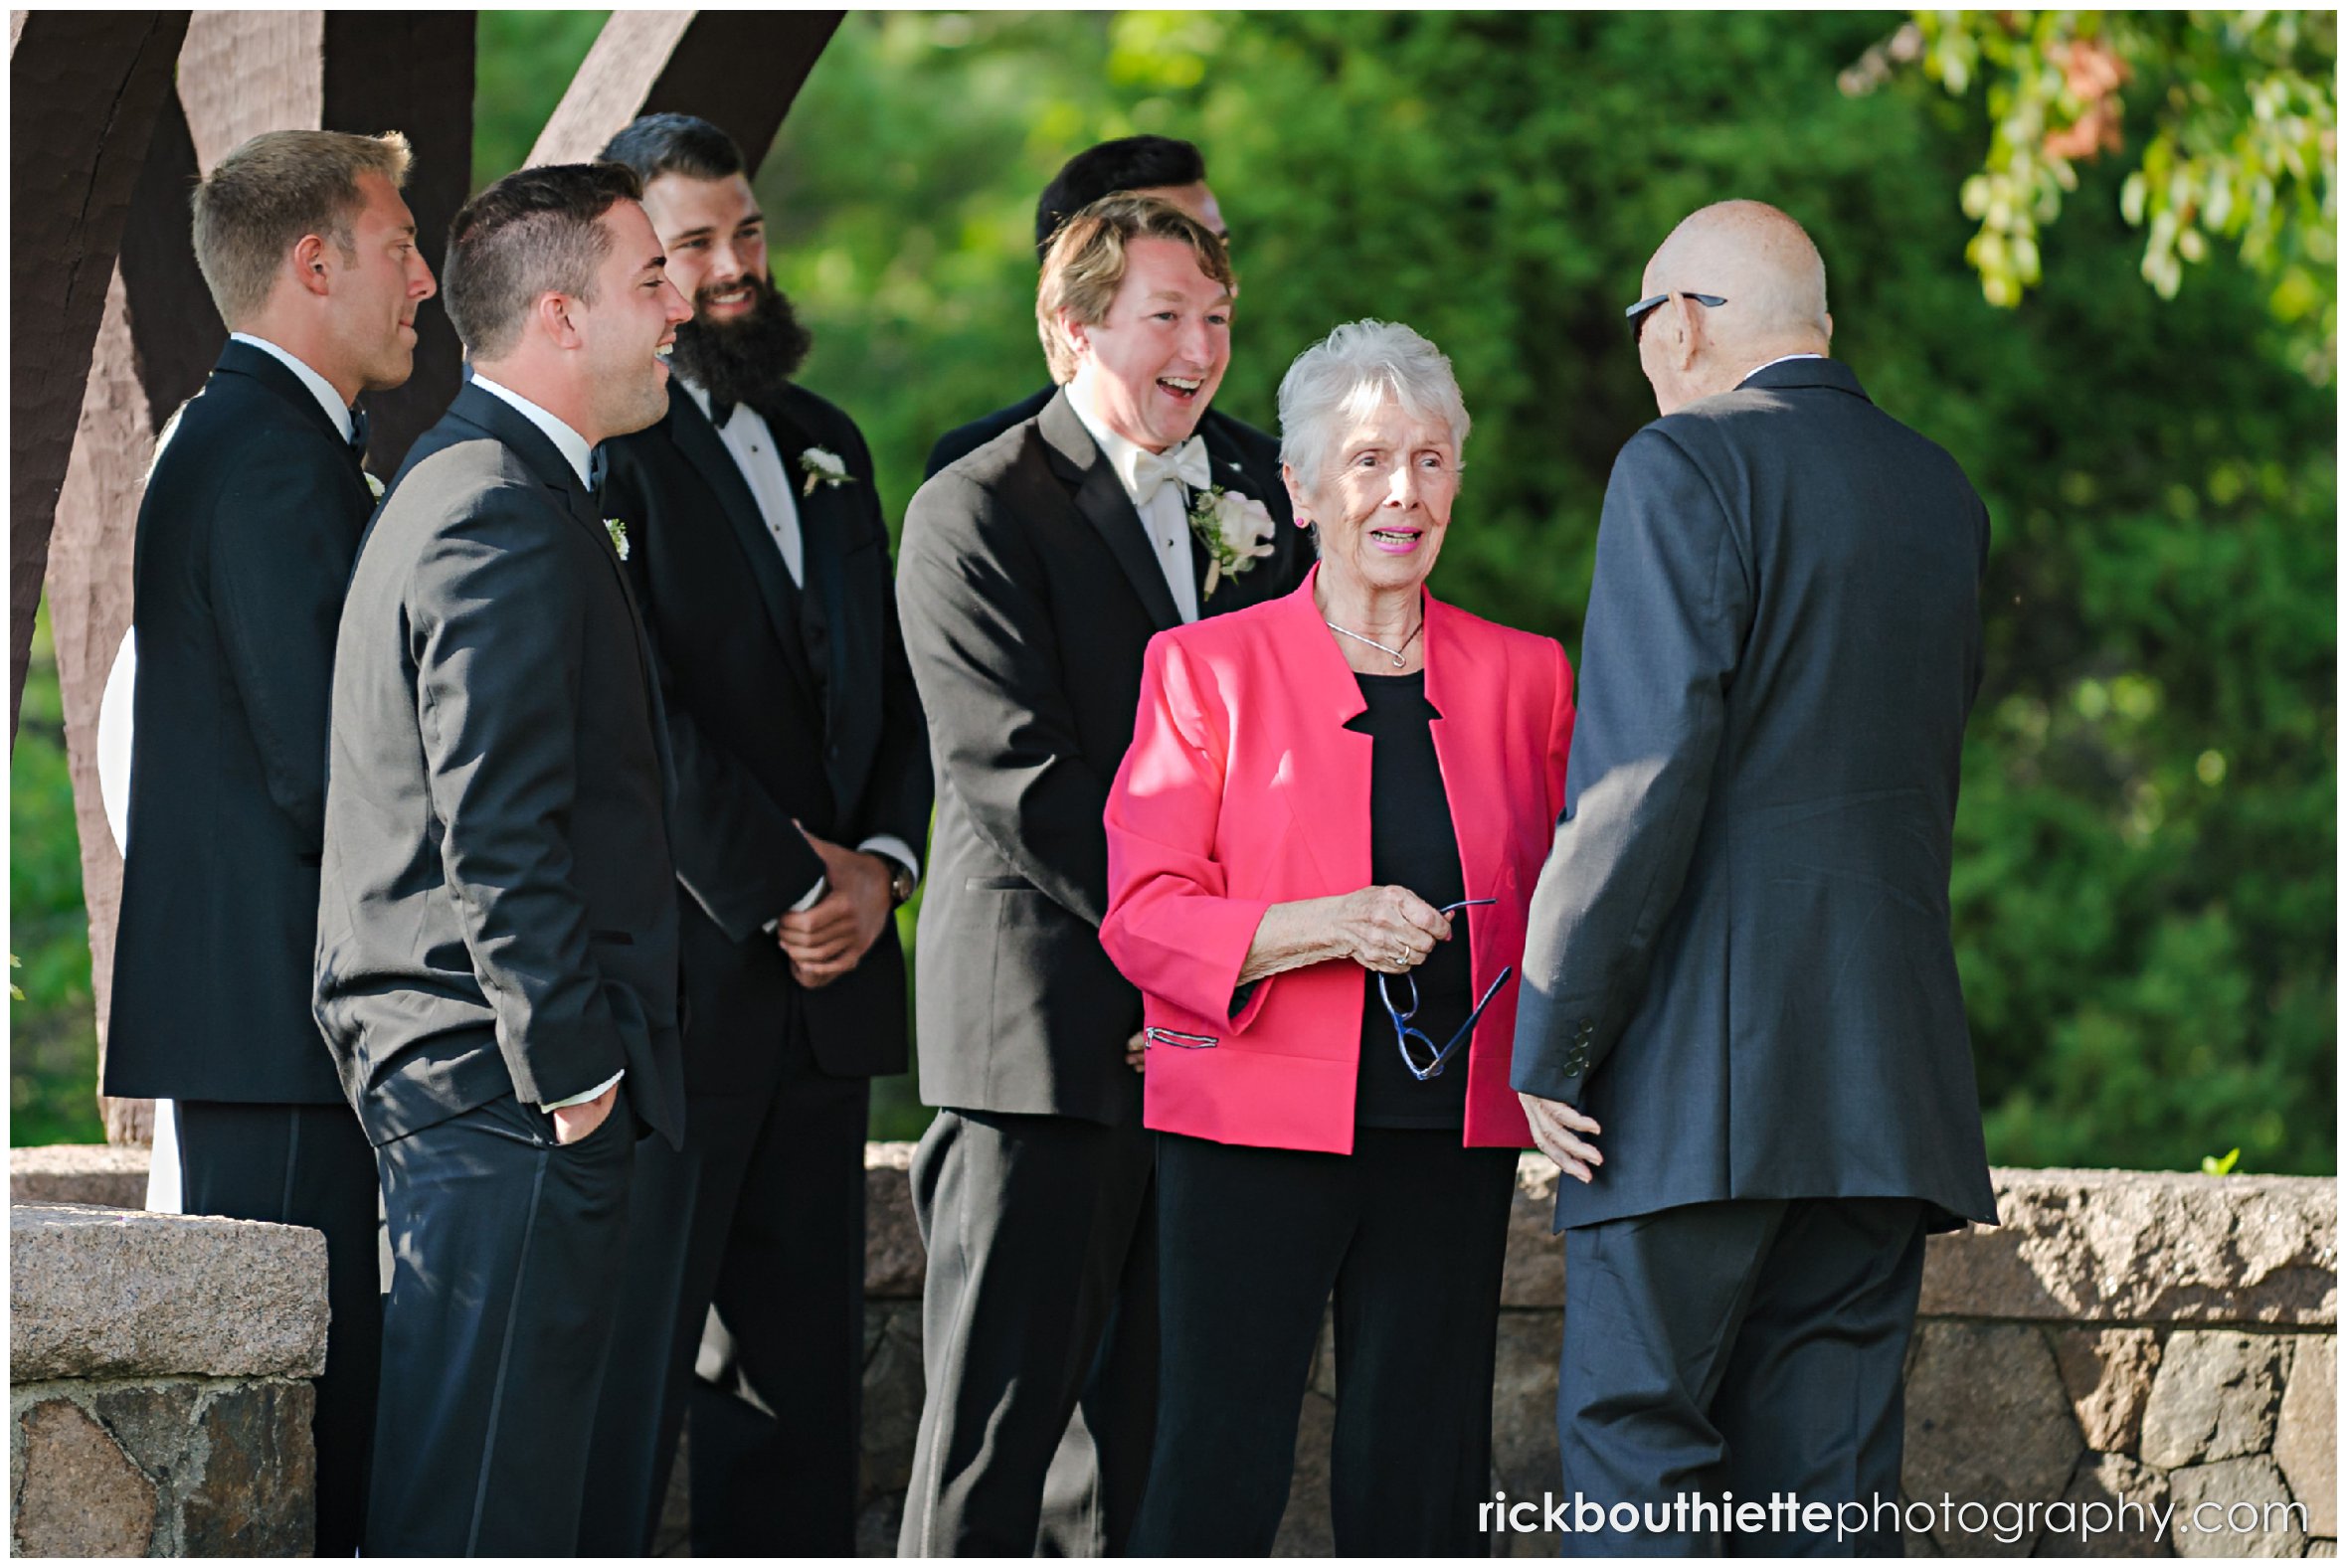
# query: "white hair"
{"points": [[1346, 375]]}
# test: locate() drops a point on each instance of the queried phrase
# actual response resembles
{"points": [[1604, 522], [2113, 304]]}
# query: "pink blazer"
{"points": [[1243, 789]]}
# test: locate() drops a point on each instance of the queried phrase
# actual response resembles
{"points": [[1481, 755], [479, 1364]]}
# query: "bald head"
{"points": [[1761, 262]]}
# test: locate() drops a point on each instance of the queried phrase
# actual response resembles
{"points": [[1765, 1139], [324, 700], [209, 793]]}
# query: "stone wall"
{"points": [[2162, 1340], [159, 1394], [2166, 1340]]}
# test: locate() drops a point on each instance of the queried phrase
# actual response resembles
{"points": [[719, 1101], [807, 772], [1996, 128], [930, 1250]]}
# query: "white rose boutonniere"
{"points": [[823, 468], [1236, 530], [619, 532], [374, 484]]}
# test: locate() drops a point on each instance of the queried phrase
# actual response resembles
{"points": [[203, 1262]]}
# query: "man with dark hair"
{"points": [[1159, 166], [1033, 572], [760, 558], [245, 536], [497, 956]]}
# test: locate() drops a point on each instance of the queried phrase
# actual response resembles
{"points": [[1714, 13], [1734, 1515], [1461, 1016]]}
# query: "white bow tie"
{"points": [[1186, 463]]}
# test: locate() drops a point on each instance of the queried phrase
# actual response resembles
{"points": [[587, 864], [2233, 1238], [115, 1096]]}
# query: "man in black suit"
{"points": [[1739, 965], [761, 561], [496, 962], [1033, 572], [1159, 166], [245, 536]]}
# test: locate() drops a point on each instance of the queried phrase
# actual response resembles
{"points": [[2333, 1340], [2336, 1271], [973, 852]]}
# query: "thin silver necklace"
{"points": [[1395, 654]]}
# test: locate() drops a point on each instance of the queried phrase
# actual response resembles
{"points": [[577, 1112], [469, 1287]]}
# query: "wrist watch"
{"points": [[900, 883]]}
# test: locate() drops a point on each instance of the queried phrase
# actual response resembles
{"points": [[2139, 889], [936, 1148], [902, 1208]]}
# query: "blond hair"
{"points": [[1086, 264], [262, 198]]}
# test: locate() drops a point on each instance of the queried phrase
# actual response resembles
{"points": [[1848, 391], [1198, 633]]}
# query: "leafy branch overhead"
{"points": [[2235, 113]]}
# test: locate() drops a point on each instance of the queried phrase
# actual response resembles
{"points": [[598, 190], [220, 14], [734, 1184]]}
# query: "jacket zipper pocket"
{"points": [[1189, 1042]]}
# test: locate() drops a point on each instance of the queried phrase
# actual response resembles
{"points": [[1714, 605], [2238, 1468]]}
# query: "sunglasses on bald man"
{"points": [[1646, 307]]}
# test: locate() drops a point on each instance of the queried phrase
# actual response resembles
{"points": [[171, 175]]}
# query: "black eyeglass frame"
{"points": [[1402, 1016], [1637, 313]]}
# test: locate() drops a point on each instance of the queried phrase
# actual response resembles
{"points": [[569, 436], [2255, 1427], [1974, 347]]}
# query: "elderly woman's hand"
{"points": [[1389, 929]]}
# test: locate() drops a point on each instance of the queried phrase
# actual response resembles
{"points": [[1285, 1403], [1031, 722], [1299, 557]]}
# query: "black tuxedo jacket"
{"points": [[784, 702], [245, 542], [1739, 960], [1029, 593], [498, 905]]}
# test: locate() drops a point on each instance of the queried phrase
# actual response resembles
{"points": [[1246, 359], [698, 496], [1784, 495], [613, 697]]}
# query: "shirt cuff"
{"points": [[895, 849], [592, 1093]]}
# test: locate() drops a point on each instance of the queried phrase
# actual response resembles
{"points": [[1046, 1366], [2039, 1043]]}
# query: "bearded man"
{"points": [[756, 547]]}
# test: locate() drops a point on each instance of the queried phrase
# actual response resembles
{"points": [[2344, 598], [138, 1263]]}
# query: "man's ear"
{"points": [[309, 263], [1686, 333], [556, 313], [1077, 333]]}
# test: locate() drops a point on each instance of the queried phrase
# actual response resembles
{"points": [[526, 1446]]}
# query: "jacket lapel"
{"points": [[1100, 496], [502, 421], [822, 525], [701, 445], [1331, 802], [1233, 473]]}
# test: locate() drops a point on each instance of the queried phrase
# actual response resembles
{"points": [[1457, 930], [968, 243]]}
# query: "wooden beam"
{"points": [[84, 88], [739, 70], [155, 344]]}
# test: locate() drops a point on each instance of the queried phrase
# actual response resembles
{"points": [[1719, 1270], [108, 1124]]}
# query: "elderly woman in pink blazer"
{"points": [[1322, 846]]}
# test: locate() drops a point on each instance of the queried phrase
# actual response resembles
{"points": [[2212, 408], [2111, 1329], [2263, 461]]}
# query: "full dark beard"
{"points": [[746, 360]]}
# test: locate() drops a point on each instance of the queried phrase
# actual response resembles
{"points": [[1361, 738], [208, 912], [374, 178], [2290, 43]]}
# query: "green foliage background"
{"points": [[2144, 893]]}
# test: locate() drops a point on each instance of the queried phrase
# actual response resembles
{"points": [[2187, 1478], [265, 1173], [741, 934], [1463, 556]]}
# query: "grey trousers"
{"points": [[1042, 1306], [1749, 1347]]}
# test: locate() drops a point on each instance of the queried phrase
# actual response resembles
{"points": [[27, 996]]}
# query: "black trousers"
{"points": [[1409, 1232], [1750, 1347], [307, 1166], [1041, 1307], [506, 1253], [763, 1215]]}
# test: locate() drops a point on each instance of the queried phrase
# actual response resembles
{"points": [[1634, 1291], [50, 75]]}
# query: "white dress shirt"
{"points": [[751, 443], [319, 387], [1779, 360], [1164, 514], [756, 453], [578, 455]]}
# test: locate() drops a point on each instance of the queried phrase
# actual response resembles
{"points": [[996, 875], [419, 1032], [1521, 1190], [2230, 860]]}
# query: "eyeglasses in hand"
{"points": [[1403, 1034]]}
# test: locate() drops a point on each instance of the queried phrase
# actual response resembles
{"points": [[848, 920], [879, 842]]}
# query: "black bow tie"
{"points": [[721, 410], [358, 434]]}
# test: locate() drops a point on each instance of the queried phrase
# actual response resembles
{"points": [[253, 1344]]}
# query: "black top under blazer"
{"points": [[245, 536], [1739, 960], [498, 905], [1029, 593], [783, 702]]}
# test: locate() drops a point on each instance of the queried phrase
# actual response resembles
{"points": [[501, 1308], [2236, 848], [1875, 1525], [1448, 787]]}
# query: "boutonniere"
{"points": [[619, 532], [373, 483], [1236, 530], [823, 468]]}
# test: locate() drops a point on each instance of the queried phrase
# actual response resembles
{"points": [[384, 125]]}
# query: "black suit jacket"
{"points": [[245, 542], [783, 702], [498, 905], [1739, 959], [1029, 593]]}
